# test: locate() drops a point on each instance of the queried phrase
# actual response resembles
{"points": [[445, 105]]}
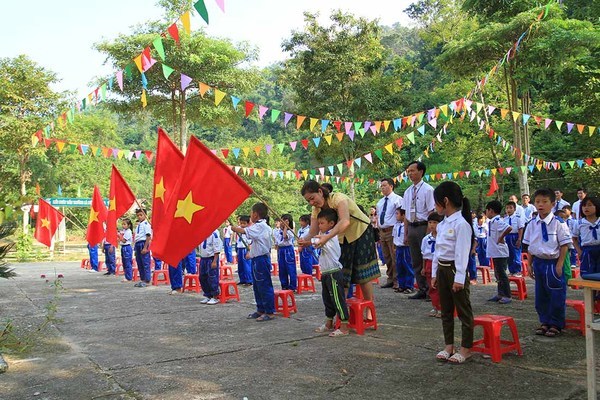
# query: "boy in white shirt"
{"points": [[497, 250], [209, 251], [515, 220], [404, 269]]}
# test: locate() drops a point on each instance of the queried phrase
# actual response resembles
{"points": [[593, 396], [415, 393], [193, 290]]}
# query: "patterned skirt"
{"points": [[359, 259]]}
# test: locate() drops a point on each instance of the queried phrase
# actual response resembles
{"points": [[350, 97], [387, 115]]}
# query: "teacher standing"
{"points": [[354, 231], [418, 203]]}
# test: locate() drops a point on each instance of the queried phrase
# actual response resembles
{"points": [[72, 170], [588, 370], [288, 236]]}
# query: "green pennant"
{"points": [[158, 45], [201, 8], [313, 172], [167, 71], [524, 168], [274, 114], [340, 167], [572, 164], [127, 71], [280, 146], [103, 91], [420, 118], [362, 132], [559, 124], [563, 165], [357, 126], [379, 154], [411, 137], [480, 172], [72, 148]]}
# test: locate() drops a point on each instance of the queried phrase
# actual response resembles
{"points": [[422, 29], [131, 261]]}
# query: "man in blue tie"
{"points": [[560, 203], [386, 213]]}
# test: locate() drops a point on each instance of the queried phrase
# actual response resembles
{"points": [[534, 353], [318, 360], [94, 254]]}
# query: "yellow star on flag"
{"points": [[93, 216], [46, 223], [186, 208], [159, 190], [112, 204]]}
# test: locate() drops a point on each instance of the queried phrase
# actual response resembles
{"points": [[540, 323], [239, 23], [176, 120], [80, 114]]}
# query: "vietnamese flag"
{"points": [[205, 195], [167, 168], [493, 186], [121, 198], [97, 219], [48, 219]]}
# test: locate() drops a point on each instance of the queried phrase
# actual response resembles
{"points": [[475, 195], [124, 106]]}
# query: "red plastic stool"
{"points": [[85, 263], [191, 282], [579, 324], [275, 269], [100, 266], [358, 320], [575, 272], [486, 277], [316, 272], [160, 276], [492, 343], [306, 283], [118, 269], [491, 264], [226, 293], [521, 292], [357, 293], [287, 303], [375, 281], [135, 274], [226, 273]]}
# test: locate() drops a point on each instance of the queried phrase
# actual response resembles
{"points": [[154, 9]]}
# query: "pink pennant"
{"points": [[433, 122], [369, 158], [547, 123], [491, 110], [347, 126], [351, 134], [115, 153], [508, 170], [268, 148], [467, 173], [373, 130], [261, 111], [322, 170], [367, 125], [120, 79], [137, 153], [293, 145], [221, 4]]}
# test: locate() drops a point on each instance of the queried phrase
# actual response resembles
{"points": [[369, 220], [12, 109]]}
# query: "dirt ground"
{"points": [[114, 341]]}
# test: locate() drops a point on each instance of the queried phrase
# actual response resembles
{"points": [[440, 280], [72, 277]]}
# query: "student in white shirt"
{"points": [[449, 268], [587, 236], [513, 239], [581, 193], [242, 247], [386, 218], [306, 254], [480, 227], [143, 235], [227, 242], [209, 251], [126, 250], [404, 270], [286, 257], [497, 250], [528, 208], [560, 202], [428, 250]]}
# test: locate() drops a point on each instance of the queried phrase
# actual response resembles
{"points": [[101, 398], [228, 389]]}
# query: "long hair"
{"points": [[311, 186], [454, 194]]}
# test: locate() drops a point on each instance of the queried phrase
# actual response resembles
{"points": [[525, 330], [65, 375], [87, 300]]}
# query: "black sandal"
{"points": [[542, 330], [552, 332]]}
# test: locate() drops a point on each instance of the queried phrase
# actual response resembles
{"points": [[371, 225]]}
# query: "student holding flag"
{"points": [[95, 228], [143, 236]]}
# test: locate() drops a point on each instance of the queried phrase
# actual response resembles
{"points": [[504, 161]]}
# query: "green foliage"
{"points": [[6, 229]]}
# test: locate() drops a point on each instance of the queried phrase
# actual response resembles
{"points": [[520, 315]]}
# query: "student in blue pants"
{"points": [[209, 250], [143, 235], [93, 250], [286, 258], [513, 239], [242, 245], [227, 242], [481, 234], [126, 251], [109, 258], [307, 255]]}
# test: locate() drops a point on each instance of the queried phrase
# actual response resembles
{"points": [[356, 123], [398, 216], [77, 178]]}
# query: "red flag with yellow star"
{"points": [[48, 219], [97, 219], [206, 193], [120, 199], [167, 168]]}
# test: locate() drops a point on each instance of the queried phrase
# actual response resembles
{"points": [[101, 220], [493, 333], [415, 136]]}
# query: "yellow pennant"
{"points": [[313, 122], [390, 148], [515, 116], [503, 113], [34, 140], [60, 145], [138, 62], [246, 150], [386, 125], [328, 139], [219, 95], [143, 99], [304, 173], [120, 154], [591, 129], [185, 20], [494, 171]]}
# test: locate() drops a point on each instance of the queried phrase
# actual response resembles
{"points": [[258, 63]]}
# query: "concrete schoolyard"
{"points": [[113, 341]]}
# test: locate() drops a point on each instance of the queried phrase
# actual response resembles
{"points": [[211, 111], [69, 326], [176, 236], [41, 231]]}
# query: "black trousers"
{"points": [[334, 298], [415, 237], [454, 300]]}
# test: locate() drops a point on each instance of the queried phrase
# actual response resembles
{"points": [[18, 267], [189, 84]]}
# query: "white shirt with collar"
{"points": [[241, 238], [261, 235], [398, 234], [496, 227], [427, 244], [329, 259], [560, 204], [528, 210], [585, 233], [558, 235], [127, 237], [425, 204], [575, 208], [389, 219], [227, 232], [515, 221], [282, 240], [142, 230], [211, 245], [453, 243], [481, 231]]}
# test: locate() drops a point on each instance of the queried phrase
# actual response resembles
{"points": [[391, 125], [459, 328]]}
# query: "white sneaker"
{"points": [[205, 300], [212, 301]]}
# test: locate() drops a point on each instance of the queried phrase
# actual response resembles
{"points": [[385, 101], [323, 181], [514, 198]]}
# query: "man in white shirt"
{"points": [[576, 208], [560, 203], [386, 218], [528, 208], [418, 203], [519, 210]]}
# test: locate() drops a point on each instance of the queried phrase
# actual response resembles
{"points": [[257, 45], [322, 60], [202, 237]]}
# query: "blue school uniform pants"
{"points": [[481, 250], [227, 250], [590, 259], [209, 277], [143, 262], [110, 258], [188, 264], [157, 264], [380, 253], [472, 267], [127, 261], [404, 270], [93, 250], [244, 266], [307, 260], [573, 257], [286, 258], [176, 275], [263, 286], [514, 253], [550, 293]]}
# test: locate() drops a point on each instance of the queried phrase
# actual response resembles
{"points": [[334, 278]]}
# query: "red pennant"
{"points": [[399, 143], [149, 156], [225, 152], [146, 53], [249, 107], [349, 163], [174, 32], [97, 219], [589, 161], [47, 142], [501, 170], [493, 186], [48, 219], [304, 143], [461, 173], [338, 125], [193, 213]]}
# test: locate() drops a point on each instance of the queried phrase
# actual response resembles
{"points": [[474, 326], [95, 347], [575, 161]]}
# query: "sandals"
{"points": [[458, 358], [322, 329], [443, 356], [542, 330], [264, 318], [552, 332], [339, 332], [254, 315]]}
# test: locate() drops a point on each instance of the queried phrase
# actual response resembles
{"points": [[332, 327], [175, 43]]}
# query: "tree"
{"points": [[26, 103]]}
